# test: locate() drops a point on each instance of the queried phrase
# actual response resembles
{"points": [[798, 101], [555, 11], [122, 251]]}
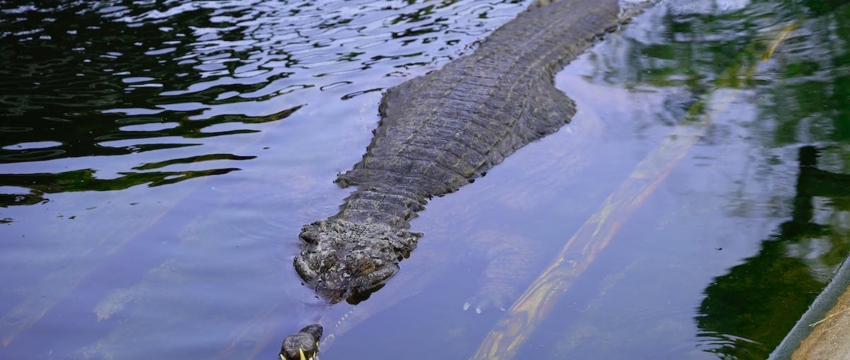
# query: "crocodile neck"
{"points": [[378, 203]]}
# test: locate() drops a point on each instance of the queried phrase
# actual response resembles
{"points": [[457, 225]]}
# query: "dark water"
{"points": [[157, 160]]}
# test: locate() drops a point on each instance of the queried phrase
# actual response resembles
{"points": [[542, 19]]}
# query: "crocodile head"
{"points": [[343, 260]]}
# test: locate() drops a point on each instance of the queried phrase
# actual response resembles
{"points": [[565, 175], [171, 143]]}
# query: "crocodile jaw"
{"points": [[343, 260]]}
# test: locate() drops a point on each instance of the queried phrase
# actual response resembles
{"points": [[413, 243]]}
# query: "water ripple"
{"points": [[184, 71]]}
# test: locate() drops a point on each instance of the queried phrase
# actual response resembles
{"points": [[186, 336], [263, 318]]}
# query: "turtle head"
{"points": [[303, 345], [343, 260]]}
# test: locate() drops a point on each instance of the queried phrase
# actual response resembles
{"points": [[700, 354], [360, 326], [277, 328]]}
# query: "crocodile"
{"points": [[509, 258], [440, 132]]}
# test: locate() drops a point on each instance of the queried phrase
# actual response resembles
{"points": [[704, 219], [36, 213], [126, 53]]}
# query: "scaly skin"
{"points": [[439, 132]]}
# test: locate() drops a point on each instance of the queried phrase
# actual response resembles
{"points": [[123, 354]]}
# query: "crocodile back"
{"points": [[440, 131]]}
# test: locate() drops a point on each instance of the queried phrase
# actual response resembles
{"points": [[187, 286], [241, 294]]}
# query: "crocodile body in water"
{"points": [[439, 132]]}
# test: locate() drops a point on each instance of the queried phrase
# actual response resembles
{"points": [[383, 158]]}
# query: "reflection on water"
{"points": [[798, 98], [84, 80], [778, 284], [277, 97]]}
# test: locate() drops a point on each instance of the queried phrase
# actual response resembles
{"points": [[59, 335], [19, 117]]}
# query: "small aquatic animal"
{"points": [[303, 345]]}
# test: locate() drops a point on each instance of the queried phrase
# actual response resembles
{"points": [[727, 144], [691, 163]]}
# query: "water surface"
{"points": [[158, 159]]}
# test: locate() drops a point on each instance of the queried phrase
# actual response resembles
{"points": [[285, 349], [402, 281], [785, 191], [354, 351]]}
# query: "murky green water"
{"points": [[157, 160]]}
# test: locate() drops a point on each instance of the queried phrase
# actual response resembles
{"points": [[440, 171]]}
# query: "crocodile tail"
{"points": [[538, 4]]}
